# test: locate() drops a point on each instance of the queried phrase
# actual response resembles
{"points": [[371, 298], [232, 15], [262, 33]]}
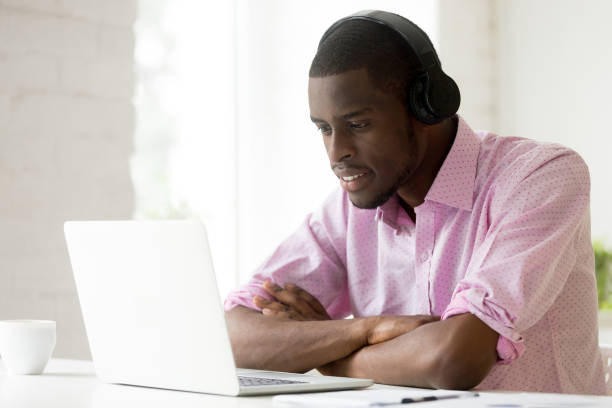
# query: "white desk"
{"points": [[72, 383]]}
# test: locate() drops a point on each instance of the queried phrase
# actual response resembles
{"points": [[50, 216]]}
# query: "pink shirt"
{"points": [[503, 233]]}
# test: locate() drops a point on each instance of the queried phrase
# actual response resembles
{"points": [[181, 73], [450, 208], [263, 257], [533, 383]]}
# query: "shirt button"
{"points": [[424, 257]]}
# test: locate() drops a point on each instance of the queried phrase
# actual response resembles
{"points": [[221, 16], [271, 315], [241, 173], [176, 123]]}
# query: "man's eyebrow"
{"points": [[316, 120], [355, 113], [346, 115]]}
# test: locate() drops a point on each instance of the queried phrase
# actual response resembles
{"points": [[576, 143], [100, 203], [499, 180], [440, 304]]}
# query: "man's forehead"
{"points": [[342, 94], [357, 80]]}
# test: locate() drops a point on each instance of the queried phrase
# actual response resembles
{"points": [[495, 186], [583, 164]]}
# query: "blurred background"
{"points": [[154, 109]]}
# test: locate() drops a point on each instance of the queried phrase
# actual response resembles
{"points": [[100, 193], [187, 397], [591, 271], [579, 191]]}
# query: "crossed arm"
{"points": [[294, 333]]}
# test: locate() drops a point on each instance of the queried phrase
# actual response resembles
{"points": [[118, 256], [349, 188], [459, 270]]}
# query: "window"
{"points": [[223, 130]]}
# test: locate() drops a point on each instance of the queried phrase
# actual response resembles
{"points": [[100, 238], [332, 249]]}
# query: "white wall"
{"points": [[538, 69], [469, 54], [66, 123]]}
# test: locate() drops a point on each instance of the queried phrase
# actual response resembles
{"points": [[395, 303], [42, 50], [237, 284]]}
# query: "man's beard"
{"points": [[383, 197]]}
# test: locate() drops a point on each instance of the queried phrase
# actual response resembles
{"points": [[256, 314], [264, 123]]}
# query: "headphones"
{"points": [[432, 95]]}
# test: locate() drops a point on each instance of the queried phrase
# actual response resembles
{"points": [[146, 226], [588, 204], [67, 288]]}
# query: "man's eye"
{"points": [[324, 129], [359, 125]]}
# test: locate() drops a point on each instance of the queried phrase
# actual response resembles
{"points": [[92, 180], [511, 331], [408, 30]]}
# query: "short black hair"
{"points": [[390, 62]]}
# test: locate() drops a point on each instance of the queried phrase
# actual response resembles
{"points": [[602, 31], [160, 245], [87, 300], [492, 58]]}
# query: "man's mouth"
{"points": [[350, 178], [355, 182]]}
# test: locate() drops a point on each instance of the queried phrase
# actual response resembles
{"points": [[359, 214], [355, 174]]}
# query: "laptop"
{"points": [[153, 314]]}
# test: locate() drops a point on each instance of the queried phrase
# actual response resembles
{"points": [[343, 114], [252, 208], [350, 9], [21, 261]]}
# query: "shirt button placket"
{"points": [[424, 245]]}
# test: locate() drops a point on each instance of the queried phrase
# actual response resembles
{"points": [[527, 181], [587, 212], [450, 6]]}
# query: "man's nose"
{"points": [[340, 146]]}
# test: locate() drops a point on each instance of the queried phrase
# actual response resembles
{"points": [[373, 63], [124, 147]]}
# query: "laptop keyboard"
{"points": [[254, 381]]}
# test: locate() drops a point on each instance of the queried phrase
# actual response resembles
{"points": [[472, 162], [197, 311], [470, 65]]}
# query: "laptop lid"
{"points": [[150, 303]]}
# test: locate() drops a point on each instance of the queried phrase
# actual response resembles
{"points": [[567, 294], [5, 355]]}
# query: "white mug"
{"points": [[26, 345]]}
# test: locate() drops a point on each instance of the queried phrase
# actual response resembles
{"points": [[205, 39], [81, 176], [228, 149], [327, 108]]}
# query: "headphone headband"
{"points": [[412, 34], [432, 95]]}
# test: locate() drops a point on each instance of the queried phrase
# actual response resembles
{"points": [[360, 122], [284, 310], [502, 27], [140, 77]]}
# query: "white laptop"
{"points": [[153, 315]]}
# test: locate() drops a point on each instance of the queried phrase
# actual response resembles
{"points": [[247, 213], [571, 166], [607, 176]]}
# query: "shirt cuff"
{"points": [[510, 344]]}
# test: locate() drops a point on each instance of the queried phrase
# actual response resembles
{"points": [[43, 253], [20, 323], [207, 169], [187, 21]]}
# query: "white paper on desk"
{"points": [[541, 400], [364, 398], [522, 400], [356, 399]]}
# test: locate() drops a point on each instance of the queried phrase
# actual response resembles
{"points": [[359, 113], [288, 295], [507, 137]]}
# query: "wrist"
{"points": [[361, 330]]}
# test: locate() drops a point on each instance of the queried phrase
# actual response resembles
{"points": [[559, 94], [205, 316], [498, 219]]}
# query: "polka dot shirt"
{"points": [[503, 233]]}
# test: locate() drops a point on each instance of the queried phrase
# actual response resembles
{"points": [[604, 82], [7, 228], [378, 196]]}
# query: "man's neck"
{"points": [[440, 140]]}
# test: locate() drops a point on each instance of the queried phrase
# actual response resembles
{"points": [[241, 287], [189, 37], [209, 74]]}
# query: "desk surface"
{"points": [[72, 383]]}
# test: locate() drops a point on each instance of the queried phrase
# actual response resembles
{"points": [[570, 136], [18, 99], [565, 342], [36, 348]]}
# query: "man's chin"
{"points": [[370, 203], [362, 205]]}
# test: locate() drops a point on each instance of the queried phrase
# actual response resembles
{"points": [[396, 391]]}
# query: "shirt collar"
{"points": [[454, 183], [388, 212]]}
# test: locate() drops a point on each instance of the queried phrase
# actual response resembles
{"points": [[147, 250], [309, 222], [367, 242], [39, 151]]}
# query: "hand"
{"points": [[290, 302], [384, 328], [378, 329], [338, 368]]}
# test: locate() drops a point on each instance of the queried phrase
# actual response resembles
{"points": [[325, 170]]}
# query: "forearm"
{"points": [[268, 343], [436, 355]]}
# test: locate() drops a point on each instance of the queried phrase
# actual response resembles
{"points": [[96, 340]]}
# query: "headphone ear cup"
{"points": [[417, 100], [443, 96]]}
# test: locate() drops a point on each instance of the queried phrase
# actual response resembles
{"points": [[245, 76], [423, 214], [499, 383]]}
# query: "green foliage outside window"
{"points": [[603, 271]]}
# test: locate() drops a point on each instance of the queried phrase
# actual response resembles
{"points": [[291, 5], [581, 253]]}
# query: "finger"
{"points": [[316, 309], [275, 313], [312, 309], [313, 302], [260, 301], [297, 311], [264, 303], [290, 298], [308, 302], [271, 288], [272, 312], [278, 294], [281, 294]]}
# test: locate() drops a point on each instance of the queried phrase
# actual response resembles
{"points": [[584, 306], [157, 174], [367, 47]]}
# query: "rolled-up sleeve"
{"points": [[523, 263], [313, 257]]}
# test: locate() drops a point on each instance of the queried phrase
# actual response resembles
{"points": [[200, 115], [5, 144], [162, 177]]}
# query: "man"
{"points": [[464, 257]]}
